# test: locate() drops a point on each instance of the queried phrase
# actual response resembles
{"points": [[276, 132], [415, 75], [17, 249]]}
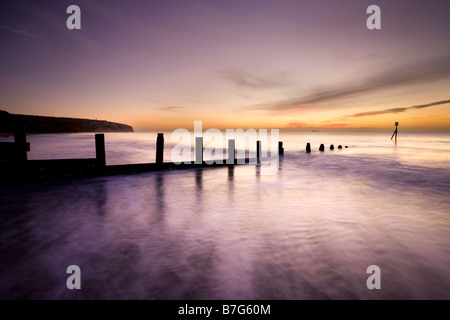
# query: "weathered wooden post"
{"points": [[21, 145], [322, 147], [280, 148], [100, 149], [308, 148], [395, 132], [231, 158], [258, 150], [332, 147], [160, 148], [198, 150], [339, 147]]}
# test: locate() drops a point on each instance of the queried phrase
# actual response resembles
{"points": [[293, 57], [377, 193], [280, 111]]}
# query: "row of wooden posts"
{"points": [[322, 147], [231, 159], [101, 155], [14, 165], [21, 147]]}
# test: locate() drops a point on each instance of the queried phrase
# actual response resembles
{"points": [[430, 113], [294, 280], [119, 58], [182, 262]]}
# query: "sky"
{"points": [[286, 64]]}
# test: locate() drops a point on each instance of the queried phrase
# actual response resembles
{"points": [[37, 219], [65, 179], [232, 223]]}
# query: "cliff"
{"points": [[41, 124]]}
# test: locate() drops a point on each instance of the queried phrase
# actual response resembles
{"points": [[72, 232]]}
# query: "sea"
{"points": [[368, 221]]}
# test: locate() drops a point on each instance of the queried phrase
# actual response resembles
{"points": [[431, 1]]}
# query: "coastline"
{"points": [[33, 124]]}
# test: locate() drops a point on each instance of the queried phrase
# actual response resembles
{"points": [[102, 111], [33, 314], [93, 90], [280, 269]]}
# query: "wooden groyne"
{"points": [[15, 152], [14, 165]]}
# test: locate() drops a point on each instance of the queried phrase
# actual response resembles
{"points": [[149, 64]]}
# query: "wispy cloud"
{"points": [[248, 80], [170, 108], [22, 32], [335, 125], [398, 110], [430, 104], [326, 124], [51, 29], [296, 124], [12, 55], [376, 113], [160, 105], [419, 73]]}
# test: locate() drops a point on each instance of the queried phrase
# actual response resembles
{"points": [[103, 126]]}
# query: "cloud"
{"points": [[376, 113], [23, 32], [430, 104], [45, 24], [398, 110], [419, 73], [335, 125], [12, 55], [170, 108], [245, 79], [296, 124], [162, 105], [327, 124]]}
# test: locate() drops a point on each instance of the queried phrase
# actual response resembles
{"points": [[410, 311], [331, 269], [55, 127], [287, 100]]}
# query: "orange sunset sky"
{"points": [[294, 65]]}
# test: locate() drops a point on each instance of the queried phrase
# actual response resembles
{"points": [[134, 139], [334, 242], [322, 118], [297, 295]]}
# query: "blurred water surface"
{"points": [[307, 232]]}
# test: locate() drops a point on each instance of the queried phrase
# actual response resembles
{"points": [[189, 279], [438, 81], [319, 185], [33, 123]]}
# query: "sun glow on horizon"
{"points": [[162, 66]]}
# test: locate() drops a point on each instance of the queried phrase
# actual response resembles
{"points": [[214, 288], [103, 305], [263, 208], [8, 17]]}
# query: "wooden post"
{"points": [[160, 148], [322, 147], [332, 147], [198, 150], [280, 148], [21, 145], [308, 148], [100, 149], [339, 147], [395, 132], [231, 158], [258, 150]]}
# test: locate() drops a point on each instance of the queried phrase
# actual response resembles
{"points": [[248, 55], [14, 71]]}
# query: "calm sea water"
{"points": [[307, 232]]}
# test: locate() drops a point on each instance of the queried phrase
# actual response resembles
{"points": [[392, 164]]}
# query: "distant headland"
{"points": [[44, 124]]}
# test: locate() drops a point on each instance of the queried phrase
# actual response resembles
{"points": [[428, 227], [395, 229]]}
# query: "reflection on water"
{"points": [[308, 232], [431, 149]]}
